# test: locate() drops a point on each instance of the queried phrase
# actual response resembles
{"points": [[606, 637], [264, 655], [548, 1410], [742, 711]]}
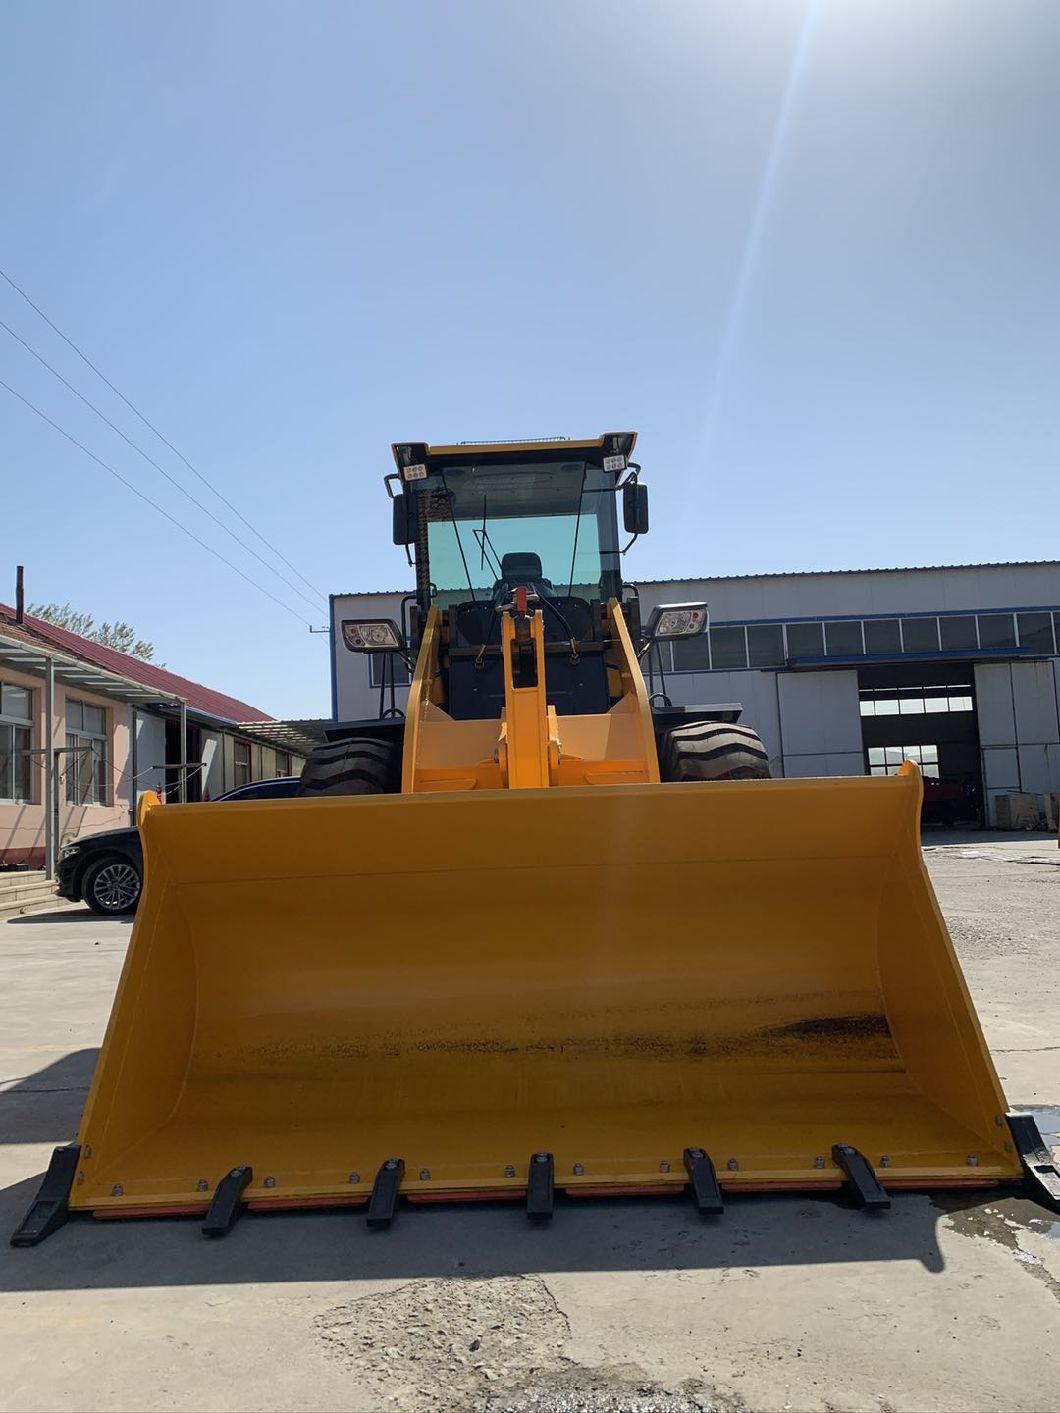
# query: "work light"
{"points": [[370, 635]]}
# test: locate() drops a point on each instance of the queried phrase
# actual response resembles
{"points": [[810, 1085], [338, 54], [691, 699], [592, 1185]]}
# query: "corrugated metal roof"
{"points": [[199, 698], [778, 574]]}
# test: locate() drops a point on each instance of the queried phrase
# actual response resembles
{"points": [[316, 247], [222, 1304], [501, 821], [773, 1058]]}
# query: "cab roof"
{"points": [[547, 449]]}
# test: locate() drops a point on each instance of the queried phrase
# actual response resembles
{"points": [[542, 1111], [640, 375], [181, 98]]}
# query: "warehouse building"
{"points": [[846, 672]]}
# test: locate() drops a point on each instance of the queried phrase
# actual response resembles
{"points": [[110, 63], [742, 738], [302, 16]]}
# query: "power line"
{"points": [[151, 427], [151, 461], [152, 503]]}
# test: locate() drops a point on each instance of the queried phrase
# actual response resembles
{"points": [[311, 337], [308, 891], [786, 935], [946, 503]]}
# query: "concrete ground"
{"points": [[630, 1307]]}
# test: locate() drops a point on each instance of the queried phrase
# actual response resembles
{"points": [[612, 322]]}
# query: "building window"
{"points": [[843, 639], [958, 633], [916, 701], [920, 635], [86, 754], [805, 640], [1036, 631], [883, 637], [887, 760], [765, 645], [392, 663], [283, 763], [16, 740], [728, 648], [240, 763], [996, 630], [692, 654]]}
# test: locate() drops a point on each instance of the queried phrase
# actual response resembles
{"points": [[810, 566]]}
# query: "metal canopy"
{"points": [[299, 736], [26, 657]]}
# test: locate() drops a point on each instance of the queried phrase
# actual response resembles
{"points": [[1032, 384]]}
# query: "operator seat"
{"points": [[522, 568]]}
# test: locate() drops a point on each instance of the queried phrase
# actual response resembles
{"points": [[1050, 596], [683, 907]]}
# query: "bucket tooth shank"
{"points": [[227, 1205], [49, 1209], [862, 1182], [1042, 1172], [383, 1205], [704, 1182], [540, 1187]]}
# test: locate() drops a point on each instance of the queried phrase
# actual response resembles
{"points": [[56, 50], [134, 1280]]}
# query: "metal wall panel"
{"points": [[1034, 699], [830, 763], [993, 703], [820, 714], [787, 596]]}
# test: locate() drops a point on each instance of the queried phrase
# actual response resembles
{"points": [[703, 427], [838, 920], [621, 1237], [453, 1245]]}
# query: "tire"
{"points": [[713, 750], [111, 887], [361, 766]]}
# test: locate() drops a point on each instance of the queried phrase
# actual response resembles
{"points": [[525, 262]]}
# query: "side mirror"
{"points": [[635, 508], [676, 620], [404, 519]]}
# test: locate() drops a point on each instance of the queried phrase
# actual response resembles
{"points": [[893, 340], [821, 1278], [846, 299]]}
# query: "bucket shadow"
{"points": [[466, 1242], [46, 1107], [457, 1240]]}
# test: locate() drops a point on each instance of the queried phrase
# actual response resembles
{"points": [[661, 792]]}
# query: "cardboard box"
{"points": [[1017, 811]]}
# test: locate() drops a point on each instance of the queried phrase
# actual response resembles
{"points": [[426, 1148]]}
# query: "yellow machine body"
{"points": [[536, 945]]}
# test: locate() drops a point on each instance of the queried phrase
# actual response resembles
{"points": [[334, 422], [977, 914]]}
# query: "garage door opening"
{"points": [[926, 713]]}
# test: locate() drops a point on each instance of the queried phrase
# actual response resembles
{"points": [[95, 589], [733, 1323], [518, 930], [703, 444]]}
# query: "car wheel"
{"points": [[112, 887]]}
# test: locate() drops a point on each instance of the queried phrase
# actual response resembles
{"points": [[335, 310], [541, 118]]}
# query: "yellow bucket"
{"points": [[611, 974]]}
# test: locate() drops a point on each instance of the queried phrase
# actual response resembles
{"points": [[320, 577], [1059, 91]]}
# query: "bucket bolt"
{"points": [[664, 1166], [818, 1162], [270, 1182], [509, 1170], [202, 1185], [577, 1170], [973, 1160], [425, 1175], [733, 1165], [117, 1190], [354, 1178]]}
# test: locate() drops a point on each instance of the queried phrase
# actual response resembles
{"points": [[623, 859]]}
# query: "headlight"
{"points": [[370, 635], [677, 620]]}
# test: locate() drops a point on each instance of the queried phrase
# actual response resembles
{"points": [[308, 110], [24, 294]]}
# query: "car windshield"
{"points": [[548, 524]]}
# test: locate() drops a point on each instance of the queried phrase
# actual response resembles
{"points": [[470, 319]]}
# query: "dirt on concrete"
{"points": [[487, 1346]]}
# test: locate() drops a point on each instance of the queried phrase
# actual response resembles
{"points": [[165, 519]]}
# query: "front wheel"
{"points": [[713, 750], [359, 766], [112, 887]]}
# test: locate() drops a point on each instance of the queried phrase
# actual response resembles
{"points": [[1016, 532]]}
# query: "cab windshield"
{"points": [[550, 525]]}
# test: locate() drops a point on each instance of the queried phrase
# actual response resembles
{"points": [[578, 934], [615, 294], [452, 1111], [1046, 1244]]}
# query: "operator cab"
{"points": [[486, 520]]}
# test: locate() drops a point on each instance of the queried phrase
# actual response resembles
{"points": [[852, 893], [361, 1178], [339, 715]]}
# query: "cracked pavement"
{"points": [[787, 1303]]}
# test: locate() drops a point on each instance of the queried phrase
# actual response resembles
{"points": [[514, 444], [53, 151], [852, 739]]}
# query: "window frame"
{"points": [[80, 739], [13, 724], [238, 744]]}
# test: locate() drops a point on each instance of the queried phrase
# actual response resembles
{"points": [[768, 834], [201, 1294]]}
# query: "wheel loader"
{"points": [[541, 933]]}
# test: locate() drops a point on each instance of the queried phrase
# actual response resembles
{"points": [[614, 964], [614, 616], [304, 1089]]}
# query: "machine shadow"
{"points": [[80, 914], [45, 1107], [468, 1242]]}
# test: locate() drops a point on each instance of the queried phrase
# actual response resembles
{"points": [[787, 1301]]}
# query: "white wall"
{"points": [[785, 596], [821, 722], [355, 698]]}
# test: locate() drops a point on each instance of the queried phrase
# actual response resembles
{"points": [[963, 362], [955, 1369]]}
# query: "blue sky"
{"points": [[809, 252]]}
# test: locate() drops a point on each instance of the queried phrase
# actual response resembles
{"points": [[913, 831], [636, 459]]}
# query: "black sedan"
{"points": [[106, 870]]}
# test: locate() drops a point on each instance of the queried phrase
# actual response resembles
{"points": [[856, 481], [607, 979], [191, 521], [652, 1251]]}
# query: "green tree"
{"points": [[119, 635]]}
